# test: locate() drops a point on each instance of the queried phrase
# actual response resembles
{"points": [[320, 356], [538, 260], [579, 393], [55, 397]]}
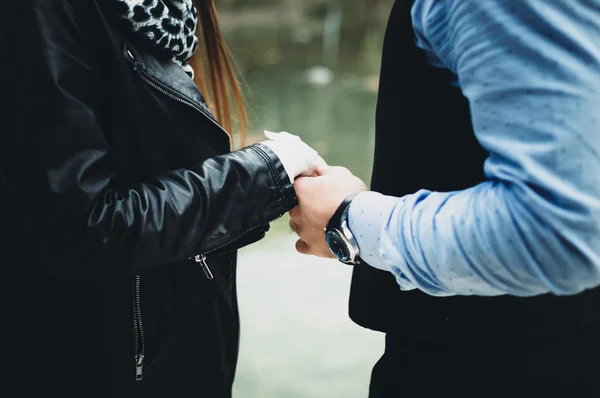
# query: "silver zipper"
{"points": [[138, 329], [201, 259]]}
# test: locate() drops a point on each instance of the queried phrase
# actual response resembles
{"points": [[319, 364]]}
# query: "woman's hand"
{"points": [[297, 157]]}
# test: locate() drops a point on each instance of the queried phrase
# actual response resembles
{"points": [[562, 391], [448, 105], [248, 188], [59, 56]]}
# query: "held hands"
{"points": [[297, 158], [319, 198], [320, 190]]}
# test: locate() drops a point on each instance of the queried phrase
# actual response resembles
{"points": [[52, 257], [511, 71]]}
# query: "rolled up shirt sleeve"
{"points": [[531, 72]]}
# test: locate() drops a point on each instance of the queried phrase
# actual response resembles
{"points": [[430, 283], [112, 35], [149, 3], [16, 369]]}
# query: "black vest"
{"points": [[424, 139]]}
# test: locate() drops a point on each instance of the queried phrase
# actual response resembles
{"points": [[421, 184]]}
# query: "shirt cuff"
{"points": [[368, 215]]}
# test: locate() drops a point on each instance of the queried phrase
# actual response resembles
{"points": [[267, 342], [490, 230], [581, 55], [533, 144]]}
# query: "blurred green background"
{"points": [[311, 68]]}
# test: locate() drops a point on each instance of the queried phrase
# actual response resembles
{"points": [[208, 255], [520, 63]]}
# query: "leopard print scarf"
{"points": [[168, 26]]}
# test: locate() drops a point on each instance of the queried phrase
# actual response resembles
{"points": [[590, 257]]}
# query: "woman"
{"points": [[121, 204]]}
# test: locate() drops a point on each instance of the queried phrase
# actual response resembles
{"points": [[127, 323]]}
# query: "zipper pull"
{"points": [[139, 367], [201, 259]]}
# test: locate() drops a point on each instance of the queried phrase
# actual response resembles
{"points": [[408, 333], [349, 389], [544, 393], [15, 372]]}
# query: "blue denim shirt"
{"points": [[531, 72]]}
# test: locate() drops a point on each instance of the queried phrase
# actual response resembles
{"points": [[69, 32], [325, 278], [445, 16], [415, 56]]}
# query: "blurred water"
{"points": [[297, 340]]}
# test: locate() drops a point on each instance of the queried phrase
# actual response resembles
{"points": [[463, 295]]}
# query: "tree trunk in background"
{"points": [[357, 19]]}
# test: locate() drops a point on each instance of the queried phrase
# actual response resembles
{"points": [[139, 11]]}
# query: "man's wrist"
{"points": [[368, 214], [339, 238]]}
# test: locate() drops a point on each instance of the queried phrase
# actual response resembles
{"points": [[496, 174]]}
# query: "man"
{"points": [[481, 262]]}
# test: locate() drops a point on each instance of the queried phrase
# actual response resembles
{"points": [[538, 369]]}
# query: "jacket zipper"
{"points": [[138, 325], [138, 329], [149, 80], [200, 259]]}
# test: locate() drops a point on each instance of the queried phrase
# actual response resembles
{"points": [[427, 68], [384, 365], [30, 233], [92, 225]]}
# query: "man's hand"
{"points": [[319, 198]]}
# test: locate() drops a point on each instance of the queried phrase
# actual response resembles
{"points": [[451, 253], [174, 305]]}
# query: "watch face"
{"points": [[338, 245]]}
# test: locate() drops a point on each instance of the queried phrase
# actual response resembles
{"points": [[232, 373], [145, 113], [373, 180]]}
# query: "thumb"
{"points": [[302, 247], [321, 167]]}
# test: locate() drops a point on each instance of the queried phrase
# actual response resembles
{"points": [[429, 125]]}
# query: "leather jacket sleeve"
{"points": [[58, 178]]}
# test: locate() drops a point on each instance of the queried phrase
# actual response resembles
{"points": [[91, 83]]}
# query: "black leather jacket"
{"points": [[117, 191]]}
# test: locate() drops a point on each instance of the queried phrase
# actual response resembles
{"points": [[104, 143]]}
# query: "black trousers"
{"points": [[566, 365]]}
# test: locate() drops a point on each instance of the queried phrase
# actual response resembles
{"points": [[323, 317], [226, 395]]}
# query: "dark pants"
{"points": [[559, 366]]}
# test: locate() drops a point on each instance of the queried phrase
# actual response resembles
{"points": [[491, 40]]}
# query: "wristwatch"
{"points": [[339, 237]]}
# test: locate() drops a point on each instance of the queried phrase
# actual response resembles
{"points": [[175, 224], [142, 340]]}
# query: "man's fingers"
{"points": [[314, 249], [302, 247], [329, 254], [295, 212], [321, 167], [303, 185], [295, 226]]}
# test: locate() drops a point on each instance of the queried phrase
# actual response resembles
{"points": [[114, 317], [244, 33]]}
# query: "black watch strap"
{"points": [[338, 226], [341, 213]]}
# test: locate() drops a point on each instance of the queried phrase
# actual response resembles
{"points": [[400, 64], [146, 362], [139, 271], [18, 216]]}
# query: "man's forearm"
{"points": [[479, 241]]}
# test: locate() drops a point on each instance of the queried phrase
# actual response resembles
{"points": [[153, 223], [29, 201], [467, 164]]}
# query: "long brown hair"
{"points": [[214, 73]]}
